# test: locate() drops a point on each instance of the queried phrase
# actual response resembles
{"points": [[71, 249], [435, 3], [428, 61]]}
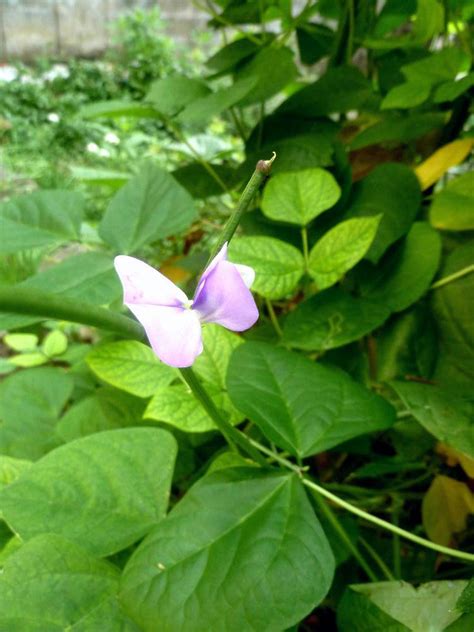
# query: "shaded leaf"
{"points": [[39, 219], [444, 414], [338, 90], [202, 110], [151, 206], [403, 277], [103, 492], [52, 583], [453, 306], [272, 69], [331, 319], [301, 406], [219, 343], [392, 190], [172, 94], [89, 276], [30, 404], [236, 532]]}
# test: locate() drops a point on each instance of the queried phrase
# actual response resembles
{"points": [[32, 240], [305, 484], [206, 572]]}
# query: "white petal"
{"points": [[174, 333], [142, 284], [247, 273]]}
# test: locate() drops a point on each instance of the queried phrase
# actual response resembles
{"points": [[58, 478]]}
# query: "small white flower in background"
{"points": [[104, 153], [93, 148], [112, 138], [53, 117], [58, 70], [8, 73]]}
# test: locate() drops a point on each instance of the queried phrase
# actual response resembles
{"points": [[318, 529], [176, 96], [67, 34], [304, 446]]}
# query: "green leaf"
{"points": [[465, 603], [272, 69], [398, 129], [198, 182], [399, 607], [406, 95], [177, 406], [130, 366], [10, 469], [28, 360], [278, 266], [232, 54], [39, 219], [219, 343], [52, 583], [107, 617], [171, 94], [21, 342], [100, 177], [437, 67], [103, 492], [393, 190], [302, 406], [106, 409], [338, 90], [217, 562], [151, 206], [451, 90], [54, 344], [89, 276], [201, 111], [453, 206], [314, 42], [340, 249], [442, 413], [330, 319], [453, 308], [30, 404], [300, 196], [403, 277], [115, 109]]}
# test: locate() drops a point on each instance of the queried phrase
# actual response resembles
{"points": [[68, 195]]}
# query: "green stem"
{"points": [[273, 318], [233, 436], [304, 239], [360, 512], [262, 170], [20, 300], [376, 557], [204, 163], [238, 124], [453, 277], [397, 565], [344, 537]]}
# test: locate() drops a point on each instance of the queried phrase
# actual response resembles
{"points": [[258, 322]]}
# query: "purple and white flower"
{"points": [[171, 321]]}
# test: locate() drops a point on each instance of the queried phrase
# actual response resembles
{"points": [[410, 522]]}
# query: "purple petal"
{"points": [[142, 284], [174, 333], [221, 256], [222, 297]]}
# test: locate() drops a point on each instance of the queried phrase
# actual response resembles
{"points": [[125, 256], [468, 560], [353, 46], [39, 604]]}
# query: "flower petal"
{"points": [[223, 298], [142, 284], [174, 333], [221, 256], [247, 273]]}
